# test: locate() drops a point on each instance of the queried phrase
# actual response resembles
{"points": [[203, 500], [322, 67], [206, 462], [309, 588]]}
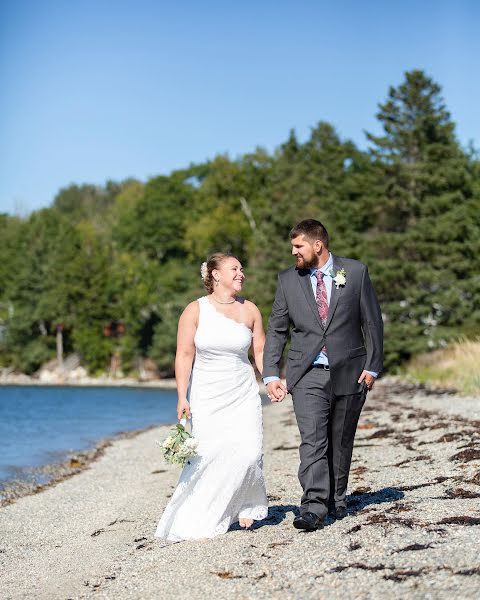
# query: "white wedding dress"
{"points": [[224, 481]]}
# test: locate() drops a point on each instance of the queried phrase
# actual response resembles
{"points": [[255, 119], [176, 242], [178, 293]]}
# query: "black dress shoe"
{"points": [[339, 512], [308, 521]]}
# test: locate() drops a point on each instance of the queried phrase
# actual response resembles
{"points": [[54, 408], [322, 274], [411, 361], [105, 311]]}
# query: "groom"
{"points": [[335, 355]]}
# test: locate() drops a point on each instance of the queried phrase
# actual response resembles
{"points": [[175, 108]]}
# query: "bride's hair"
{"points": [[214, 261]]}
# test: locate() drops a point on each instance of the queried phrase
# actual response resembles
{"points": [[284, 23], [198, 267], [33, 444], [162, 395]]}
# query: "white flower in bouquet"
{"points": [[191, 443], [169, 442], [179, 446]]}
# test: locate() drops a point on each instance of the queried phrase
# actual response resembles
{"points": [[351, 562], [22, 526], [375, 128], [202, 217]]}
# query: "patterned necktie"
{"points": [[322, 300]]}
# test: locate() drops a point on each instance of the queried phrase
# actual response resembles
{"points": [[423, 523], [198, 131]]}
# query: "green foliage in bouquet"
{"points": [[179, 446]]}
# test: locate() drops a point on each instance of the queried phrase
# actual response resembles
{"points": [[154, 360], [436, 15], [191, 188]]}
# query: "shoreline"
{"points": [[26, 381], [74, 463], [21, 380]]}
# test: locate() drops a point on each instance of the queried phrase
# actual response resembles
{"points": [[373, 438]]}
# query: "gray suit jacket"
{"points": [[353, 333]]}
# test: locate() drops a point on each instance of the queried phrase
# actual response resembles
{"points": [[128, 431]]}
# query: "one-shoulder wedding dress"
{"points": [[224, 481]]}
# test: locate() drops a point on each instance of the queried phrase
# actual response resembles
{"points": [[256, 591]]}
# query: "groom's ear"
{"points": [[318, 246]]}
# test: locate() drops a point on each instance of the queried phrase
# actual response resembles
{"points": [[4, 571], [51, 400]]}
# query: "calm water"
{"points": [[39, 425]]}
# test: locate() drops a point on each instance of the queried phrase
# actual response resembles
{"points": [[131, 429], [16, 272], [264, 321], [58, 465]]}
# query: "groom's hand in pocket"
{"points": [[369, 379], [276, 391]]}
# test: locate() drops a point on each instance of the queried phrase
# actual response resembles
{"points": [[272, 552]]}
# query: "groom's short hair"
{"points": [[312, 230]]}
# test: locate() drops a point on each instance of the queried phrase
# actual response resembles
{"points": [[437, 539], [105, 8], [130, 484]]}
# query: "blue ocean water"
{"points": [[39, 425]]}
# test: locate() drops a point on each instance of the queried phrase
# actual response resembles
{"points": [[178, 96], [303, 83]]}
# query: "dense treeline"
{"points": [[130, 252]]}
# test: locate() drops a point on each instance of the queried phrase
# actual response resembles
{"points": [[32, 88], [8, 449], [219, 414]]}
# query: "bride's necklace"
{"points": [[220, 302]]}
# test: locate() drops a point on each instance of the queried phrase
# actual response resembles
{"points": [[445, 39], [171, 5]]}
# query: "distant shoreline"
{"points": [[162, 384], [24, 380]]}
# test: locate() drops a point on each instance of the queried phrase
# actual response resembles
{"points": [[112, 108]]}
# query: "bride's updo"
{"points": [[213, 262]]}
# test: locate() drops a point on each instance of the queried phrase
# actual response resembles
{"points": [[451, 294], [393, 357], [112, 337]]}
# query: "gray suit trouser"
{"points": [[327, 425]]}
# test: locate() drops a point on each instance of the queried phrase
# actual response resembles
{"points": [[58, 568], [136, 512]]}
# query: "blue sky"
{"points": [[98, 90]]}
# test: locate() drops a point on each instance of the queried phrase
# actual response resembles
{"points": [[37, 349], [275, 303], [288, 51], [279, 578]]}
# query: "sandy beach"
{"points": [[413, 530]]}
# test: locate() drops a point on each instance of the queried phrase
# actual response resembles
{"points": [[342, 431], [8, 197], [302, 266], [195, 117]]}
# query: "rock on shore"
{"points": [[413, 530]]}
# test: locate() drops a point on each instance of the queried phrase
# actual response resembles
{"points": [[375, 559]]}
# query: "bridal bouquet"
{"points": [[179, 446]]}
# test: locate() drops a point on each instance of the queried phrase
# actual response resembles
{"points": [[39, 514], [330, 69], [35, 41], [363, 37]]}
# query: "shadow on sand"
{"points": [[356, 503]]}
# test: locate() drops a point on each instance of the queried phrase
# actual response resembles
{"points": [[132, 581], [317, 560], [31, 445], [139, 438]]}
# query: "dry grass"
{"points": [[457, 366]]}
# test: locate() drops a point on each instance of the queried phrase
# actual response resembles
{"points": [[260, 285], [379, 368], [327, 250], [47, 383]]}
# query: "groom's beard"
{"points": [[303, 263]]}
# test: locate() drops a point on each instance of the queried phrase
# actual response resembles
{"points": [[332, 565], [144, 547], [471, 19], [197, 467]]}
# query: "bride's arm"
{"points": [[187, 326], [258, 340]]}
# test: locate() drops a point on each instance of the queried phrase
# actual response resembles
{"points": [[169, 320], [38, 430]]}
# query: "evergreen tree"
{"points": [[427, 212]]}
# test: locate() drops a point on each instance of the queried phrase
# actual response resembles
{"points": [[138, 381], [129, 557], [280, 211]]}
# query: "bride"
{"points": [[224, 482]]}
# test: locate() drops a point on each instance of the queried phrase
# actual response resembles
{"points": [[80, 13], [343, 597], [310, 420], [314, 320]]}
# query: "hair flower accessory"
{"points": [[203, 270], [340, 279]]}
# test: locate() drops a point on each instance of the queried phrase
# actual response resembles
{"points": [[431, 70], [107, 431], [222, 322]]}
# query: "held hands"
{"points": [[276, 391], [369, 380], [183, 406]]}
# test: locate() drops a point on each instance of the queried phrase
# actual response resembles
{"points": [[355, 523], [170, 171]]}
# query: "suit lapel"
{"points": [[336, 293], [306, 285]]}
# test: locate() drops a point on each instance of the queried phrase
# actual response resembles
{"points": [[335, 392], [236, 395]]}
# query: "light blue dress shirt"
{"points": [[321, 358]]}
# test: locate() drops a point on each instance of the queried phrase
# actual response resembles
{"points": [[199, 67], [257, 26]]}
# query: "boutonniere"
{"points": [[340, 278]]}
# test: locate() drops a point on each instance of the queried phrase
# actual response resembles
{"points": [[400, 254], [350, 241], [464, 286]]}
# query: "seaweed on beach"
{"points": [[97, 532], [354, 546], [407, 440], [466, 455], [359, 470], [273, 498], [472, 571], [461, 520], [120, 521], [400, 507], [283, 543], [452, 436], [475, 479], [381, 433], [417, 486], [461, 493], [439, 425], [402, 574], [226, 575], [383, 519], [361, 490], [414, 547], [420, 457], [362, 566]]}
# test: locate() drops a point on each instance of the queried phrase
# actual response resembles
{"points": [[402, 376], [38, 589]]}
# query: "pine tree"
{"points": [[423, 223]]}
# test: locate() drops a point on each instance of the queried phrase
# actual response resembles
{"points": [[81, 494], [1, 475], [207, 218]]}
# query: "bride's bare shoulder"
{"points": [[191, 311], [251, 307]]}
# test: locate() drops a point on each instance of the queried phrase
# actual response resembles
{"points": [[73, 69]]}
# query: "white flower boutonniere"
{"points": [[340, 278]]}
